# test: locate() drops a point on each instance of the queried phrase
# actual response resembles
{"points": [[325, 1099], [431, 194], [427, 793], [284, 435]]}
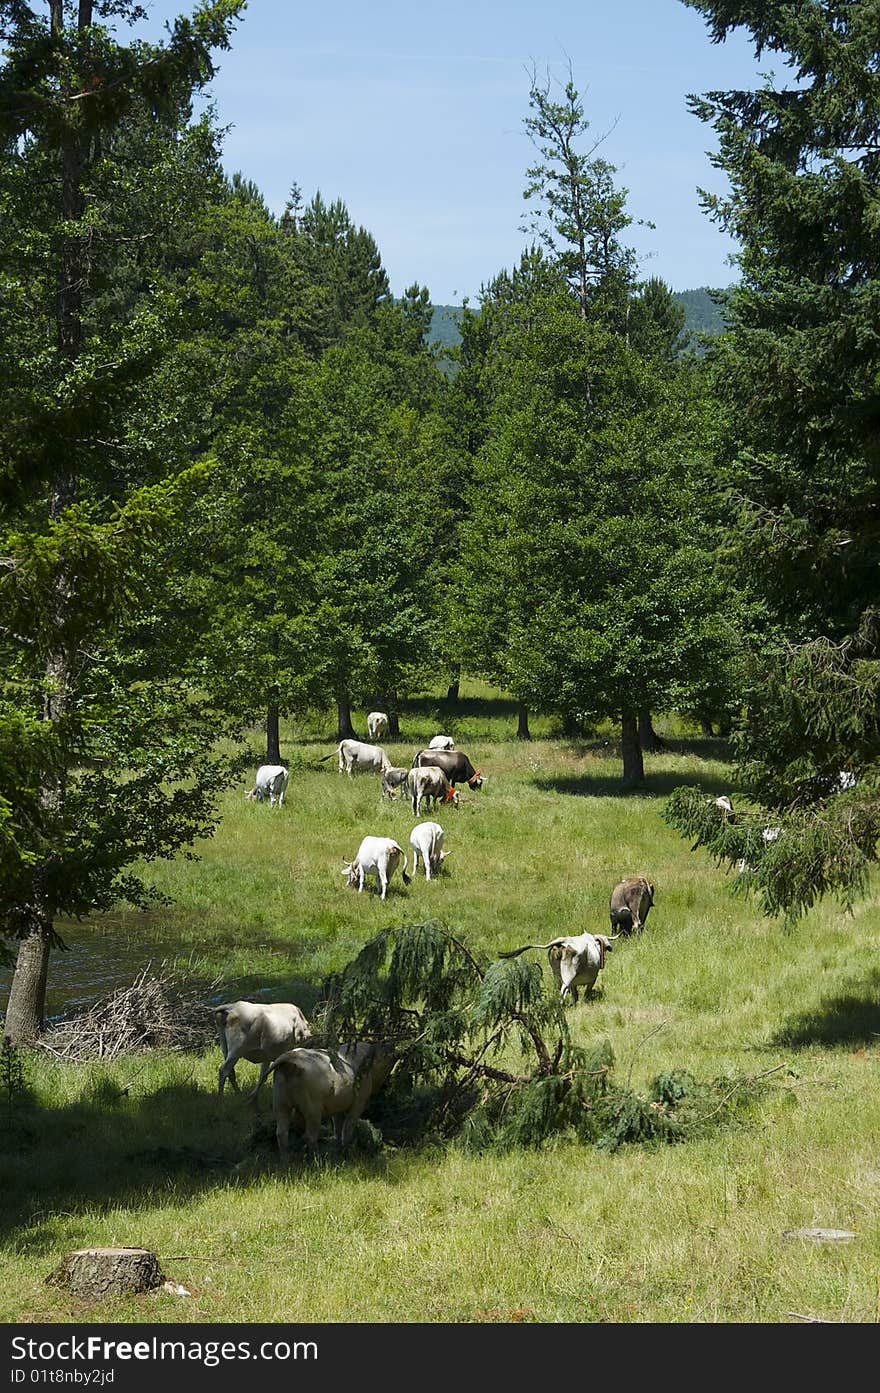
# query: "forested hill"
{"points": [[703, 317]]}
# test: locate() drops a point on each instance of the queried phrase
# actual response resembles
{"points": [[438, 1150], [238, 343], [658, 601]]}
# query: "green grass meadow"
{"points": [[143, 1152]]}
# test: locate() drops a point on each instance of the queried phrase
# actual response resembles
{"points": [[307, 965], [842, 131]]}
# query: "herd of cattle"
{"points": [[312, 1084]]}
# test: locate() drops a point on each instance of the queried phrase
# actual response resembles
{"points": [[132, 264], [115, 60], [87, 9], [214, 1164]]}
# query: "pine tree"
{"points": [[798, 372], [88, 755]]}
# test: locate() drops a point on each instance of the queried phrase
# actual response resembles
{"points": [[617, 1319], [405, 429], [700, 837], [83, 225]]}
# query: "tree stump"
{"points": [[97, 1273]]}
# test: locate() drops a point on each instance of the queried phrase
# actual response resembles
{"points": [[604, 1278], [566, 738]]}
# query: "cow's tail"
{"points": [[554, 943], [221, 1014], [285, 1061], [406, 878], [324, 758]]}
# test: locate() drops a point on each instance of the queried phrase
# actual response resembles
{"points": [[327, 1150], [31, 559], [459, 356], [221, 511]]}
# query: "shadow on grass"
{"points": [[850, 1018], [108, 1150], [659, 783]]}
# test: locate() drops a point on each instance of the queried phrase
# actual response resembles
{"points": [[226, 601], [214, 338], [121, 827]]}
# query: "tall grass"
{"points": [[142, 1151]]}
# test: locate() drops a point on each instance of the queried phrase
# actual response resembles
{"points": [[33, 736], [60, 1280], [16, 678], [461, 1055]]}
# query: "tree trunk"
{"points": [[522, 717], [95, 1274], [648, 737], [706, 726], [393, 718], [571, 726], [27, 997], [344, 727], [273, 742], [633, 764], [455, 685]]}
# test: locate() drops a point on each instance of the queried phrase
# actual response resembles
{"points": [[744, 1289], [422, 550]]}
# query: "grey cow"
{"points": [[631, 902]]}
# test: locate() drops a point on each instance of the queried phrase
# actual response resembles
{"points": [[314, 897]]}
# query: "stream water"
{"points": [[99, 958]]}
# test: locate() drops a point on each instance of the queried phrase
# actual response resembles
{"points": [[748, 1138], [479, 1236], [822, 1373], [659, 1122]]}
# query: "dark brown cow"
{"points": [[454, 763]]}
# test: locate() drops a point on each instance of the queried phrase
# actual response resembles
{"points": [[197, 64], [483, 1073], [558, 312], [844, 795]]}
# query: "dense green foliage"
{"points": [[798, 373], [101, 731]]}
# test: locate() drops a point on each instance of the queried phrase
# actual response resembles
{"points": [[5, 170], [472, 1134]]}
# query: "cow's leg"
{"points": [[312, 1127], [415, 860], [383, 881], [361, 878], [567, 976], [227, 1071], [427, 861], [282, 1128]]}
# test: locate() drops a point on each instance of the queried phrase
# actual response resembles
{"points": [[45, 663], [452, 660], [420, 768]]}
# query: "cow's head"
{"points": [[476, 779], [350, 869], [452, 797], [253, 796]]}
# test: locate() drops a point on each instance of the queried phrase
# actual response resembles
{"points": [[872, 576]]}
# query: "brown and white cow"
{"points": [[454, 763]]}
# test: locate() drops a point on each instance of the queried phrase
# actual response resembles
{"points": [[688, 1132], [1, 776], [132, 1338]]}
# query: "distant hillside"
{"points": [[703, 317], [444, 326]]}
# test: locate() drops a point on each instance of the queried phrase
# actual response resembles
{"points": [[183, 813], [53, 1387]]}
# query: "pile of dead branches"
{"points": [[160, 1010]]}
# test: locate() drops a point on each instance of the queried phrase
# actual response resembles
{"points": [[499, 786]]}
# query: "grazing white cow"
{"points": [[630, 905], [319, 1083], [354, 754], [429, 785], [426, 840], [576, 962], [393, 778], [271, 783], [378, 856], [377, 724], [441, 742], [259, 1034]]}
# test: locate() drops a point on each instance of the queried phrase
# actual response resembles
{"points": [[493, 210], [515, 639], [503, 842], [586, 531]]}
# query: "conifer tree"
{"points": [[98, 766], [798, 371]]}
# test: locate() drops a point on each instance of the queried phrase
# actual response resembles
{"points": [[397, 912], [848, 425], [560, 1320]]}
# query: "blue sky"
{"points": [[413, 115]]}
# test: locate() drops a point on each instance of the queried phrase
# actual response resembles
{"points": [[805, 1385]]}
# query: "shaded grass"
{"points": [[690, 1232]]}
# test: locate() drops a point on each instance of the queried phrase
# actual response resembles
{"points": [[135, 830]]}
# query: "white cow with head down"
{"points": [[271, 783], [426, 840], [314, 1084], [355, 754], [441, 742], [378, 856], [257, 1033]]}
